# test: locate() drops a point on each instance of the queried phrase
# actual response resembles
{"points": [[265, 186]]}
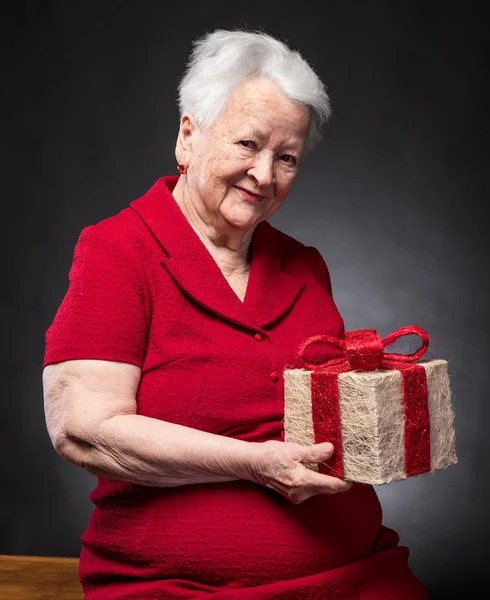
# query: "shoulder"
{"points": [[122, 230], [299, 259], [114, 249], [290, 248], [134, 229]]}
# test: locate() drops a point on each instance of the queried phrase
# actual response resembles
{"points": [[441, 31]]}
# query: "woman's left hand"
{"points": [[279, 466]]}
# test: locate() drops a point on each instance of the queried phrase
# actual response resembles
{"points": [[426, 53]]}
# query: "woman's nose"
{"points": [[262, 171]]}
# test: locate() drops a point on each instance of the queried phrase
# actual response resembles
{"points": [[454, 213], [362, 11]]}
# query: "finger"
{"points": [[320, 481], [317, 452]]}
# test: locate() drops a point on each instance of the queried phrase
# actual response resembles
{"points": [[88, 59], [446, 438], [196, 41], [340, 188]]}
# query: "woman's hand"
{"points": [[279, 466]]}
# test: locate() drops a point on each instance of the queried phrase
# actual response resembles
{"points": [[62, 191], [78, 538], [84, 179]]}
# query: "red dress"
{"points": [[144, 290]]}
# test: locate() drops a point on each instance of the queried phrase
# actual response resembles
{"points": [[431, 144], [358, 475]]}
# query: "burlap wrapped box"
{"points": [[389, 416]]}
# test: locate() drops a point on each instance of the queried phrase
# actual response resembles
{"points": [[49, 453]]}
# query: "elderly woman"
{"points": [[163, 366]]}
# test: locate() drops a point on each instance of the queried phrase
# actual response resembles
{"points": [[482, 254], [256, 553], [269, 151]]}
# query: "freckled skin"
{"points": [[256, 143]]}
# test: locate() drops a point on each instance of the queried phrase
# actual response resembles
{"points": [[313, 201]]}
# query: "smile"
{"points": [[250, 196]]}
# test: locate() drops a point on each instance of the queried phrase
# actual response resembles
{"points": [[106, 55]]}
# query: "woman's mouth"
{"points": [[249, 196]]}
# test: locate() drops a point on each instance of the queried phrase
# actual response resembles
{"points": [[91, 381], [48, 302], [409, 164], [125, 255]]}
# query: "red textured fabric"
{"points": [[145, 290]]}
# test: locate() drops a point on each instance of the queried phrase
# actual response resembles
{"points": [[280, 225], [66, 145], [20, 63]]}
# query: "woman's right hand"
{"points": [[279, 466]]}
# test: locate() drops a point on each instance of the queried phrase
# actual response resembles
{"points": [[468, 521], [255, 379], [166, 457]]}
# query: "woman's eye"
{"points": [[247, 143], [288, 158]]}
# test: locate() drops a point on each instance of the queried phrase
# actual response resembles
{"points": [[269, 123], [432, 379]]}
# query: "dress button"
{"points": [[258, 337], [274, 376]]}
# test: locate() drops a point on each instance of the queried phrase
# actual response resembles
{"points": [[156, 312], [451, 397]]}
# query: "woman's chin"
{"points": [[243, 219]]}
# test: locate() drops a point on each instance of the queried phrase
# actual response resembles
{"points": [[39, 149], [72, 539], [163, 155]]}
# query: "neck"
{"points": [[227, 244]]}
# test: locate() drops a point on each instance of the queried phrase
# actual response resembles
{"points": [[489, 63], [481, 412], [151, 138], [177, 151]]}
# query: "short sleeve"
{"points": [[102, 315], [322, 270]]}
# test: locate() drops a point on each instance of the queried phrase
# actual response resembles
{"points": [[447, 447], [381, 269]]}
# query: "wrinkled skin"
{"points": [[256, 143], [278, 465]]}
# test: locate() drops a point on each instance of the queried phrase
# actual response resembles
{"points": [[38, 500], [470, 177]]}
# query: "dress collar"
{"points": [[270, 291]]}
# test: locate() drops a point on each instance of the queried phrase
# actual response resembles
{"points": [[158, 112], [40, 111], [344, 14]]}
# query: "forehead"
{"points": [[260, 104]]}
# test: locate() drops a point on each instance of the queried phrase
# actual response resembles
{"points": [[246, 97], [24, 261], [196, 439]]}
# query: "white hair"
{"points": [[223, 59]]}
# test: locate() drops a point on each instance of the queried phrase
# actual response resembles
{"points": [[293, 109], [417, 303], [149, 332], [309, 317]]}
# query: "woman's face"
{"points": [[241, 169]]}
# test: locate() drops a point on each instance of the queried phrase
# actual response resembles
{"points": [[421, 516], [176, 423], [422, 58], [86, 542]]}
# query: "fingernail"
{"points": [[329, 447]]}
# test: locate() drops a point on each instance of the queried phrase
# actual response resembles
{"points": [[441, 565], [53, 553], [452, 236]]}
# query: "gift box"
{"points": [[389, 416]]}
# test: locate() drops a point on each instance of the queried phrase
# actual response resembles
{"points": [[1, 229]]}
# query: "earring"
{"points": [[182, 169]]}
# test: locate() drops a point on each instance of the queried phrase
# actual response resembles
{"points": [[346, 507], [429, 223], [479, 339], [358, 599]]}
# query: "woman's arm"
{"points": [[91, 417], [90, 411]]}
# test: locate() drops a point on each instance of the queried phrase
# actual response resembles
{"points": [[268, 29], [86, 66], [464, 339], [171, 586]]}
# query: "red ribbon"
{"points": [[363, 350]]}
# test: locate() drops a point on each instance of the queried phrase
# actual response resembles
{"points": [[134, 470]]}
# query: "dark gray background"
{"points": [[395, 198]]}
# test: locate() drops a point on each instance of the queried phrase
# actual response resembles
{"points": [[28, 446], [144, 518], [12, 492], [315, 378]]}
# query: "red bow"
{"points": [[363, 349]]}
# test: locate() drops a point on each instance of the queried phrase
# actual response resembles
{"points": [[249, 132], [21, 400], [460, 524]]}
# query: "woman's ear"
{"points": [[187, 129]]}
